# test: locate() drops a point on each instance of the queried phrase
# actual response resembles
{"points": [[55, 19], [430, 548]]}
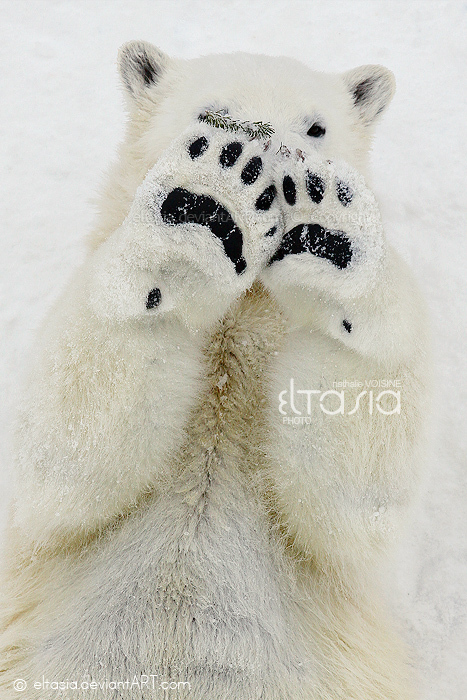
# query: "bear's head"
{"points": [[331, 113]]}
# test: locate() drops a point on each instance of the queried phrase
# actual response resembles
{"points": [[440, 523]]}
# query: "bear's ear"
{"points": [[371, 88], [141, 66]]}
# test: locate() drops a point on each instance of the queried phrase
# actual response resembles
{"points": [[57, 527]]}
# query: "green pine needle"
{"points": [[220, 120]]}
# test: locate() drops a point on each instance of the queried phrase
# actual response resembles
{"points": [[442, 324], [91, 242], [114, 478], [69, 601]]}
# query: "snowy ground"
{"points": [[61, 116]]}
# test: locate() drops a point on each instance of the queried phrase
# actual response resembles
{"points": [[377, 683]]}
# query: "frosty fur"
{"points": [[167, 520]]}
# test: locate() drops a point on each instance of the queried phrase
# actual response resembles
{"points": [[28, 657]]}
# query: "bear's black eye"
{"points": [[316, 130]]}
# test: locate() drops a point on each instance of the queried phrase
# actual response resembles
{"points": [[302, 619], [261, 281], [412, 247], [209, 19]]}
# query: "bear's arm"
{"points": [[105, 406], [388, 323], [344, 464]]}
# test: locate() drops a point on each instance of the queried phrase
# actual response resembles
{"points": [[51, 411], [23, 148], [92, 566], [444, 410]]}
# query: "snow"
{"points": [[62, 117]]}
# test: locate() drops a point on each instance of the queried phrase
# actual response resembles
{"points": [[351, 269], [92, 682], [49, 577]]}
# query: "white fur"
{"points": [[166, 521]]}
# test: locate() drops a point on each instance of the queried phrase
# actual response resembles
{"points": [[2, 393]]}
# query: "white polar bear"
{"points": [[174, 527]]}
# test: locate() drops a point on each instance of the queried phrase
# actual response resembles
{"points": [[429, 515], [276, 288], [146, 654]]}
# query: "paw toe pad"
{"points": [[266, 198], [252, 170], [344, 193], [154, 298], [230, 154], [198, 147], [289, 189], [315, 187]]}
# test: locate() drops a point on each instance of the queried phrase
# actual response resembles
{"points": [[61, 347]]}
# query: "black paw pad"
{"points": [[315, 187], [230, 154], [290, 192], [347, 325], [313, 238], [266, 198], [198, 147], [344, 193], [154, 298], [252, 170], [182, 206]]}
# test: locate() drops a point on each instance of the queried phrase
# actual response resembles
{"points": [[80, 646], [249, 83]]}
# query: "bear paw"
{"points": [[334, 236], [202, 225]]}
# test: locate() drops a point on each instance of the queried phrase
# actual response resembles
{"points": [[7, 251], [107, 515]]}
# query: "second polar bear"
{"points": [[170, 523]]}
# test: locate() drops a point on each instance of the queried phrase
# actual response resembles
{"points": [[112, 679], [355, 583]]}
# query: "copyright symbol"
{"points": [[20, 685]]}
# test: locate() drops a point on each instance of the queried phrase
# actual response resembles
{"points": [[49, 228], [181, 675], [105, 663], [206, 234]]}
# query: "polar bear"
{"points": [[186, 518]]}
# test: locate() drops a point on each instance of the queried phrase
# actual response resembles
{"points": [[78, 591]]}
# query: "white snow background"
{"points": [[62, 117]]}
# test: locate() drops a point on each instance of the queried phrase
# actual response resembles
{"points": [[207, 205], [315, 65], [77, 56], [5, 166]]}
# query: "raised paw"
{"points": [[202, 225], [333, 240]]}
